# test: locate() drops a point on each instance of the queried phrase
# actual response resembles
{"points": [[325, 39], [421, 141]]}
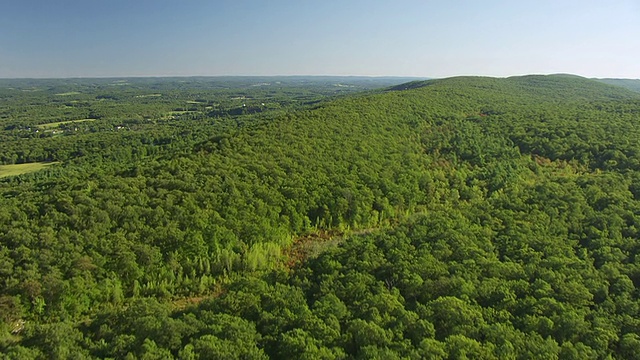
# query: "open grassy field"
{"points": [[174, 114], [19, 169], [56, 124], [69, 93]]}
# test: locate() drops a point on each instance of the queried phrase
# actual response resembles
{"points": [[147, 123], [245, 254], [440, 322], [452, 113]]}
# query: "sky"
{"points": [[421, 38]]}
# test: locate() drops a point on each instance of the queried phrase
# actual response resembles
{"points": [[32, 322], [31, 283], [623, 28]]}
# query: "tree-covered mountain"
{"points": [[476, 218], [631, 84]]}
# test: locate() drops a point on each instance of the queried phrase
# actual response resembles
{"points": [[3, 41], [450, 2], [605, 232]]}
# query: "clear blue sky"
{"points": [[71, 38]]}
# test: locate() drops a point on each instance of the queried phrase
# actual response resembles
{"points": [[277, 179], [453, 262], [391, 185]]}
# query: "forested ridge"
{"points": [[476, 218], [631, 84]]}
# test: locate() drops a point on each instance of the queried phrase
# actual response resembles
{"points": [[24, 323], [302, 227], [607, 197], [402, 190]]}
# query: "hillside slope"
{"points": [[631, 84], [499, 213]]}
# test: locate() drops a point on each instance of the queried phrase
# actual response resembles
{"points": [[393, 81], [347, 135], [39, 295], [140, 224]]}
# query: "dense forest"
{"points": [[277, 218], [631, 84]]}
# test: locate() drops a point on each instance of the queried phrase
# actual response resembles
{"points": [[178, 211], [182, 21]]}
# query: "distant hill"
{"points": [[542, 87], [632, 84]]}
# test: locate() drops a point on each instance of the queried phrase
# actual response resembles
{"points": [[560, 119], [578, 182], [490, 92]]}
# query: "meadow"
{"points": [[58, 123], [20, 169]]}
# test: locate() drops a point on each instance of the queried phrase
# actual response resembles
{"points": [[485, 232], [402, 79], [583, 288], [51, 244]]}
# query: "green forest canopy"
{"points": [[477, 218], [631, 84]]}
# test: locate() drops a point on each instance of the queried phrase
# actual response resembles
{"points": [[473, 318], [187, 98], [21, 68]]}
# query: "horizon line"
{"points": [[299, 75]]}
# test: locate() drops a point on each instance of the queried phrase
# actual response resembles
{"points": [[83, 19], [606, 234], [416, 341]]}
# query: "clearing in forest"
{"points": [[69, 93], [56, 124], [19, 169]]}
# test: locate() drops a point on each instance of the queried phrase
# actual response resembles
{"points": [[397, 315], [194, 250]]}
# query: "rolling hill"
{"points": [[631, 84], [476, 217]]}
